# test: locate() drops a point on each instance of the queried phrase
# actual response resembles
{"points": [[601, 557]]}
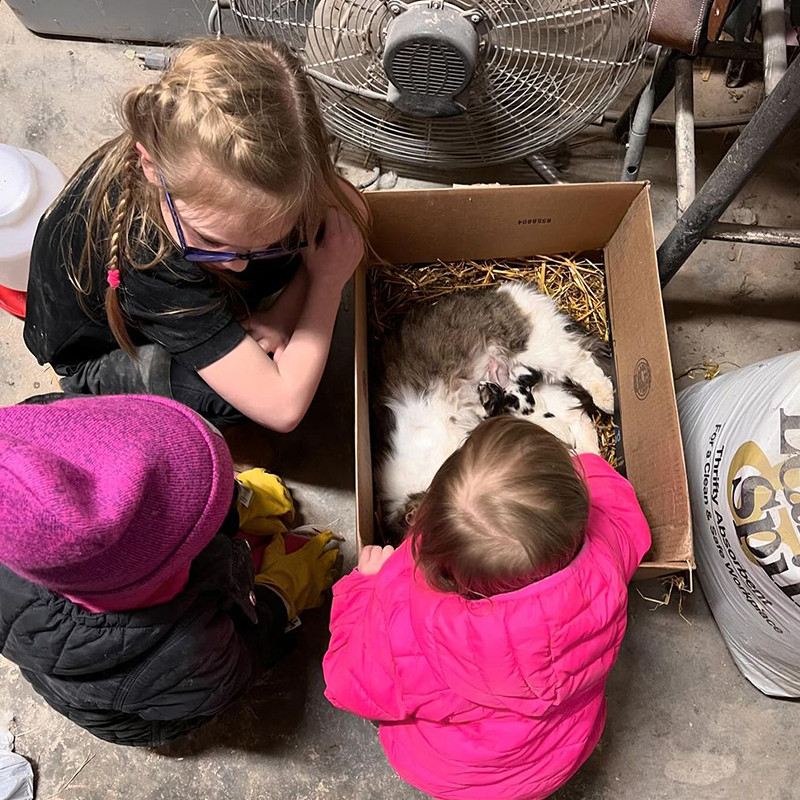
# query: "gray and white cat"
{"points": [[476, 354]]}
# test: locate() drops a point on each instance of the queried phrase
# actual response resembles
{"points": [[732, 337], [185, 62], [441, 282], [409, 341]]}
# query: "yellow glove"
{"points": [[302, 576], [265, 505]]}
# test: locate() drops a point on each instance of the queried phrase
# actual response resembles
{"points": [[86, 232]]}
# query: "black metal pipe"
{"points": [[739, 51], [544, 168], [769, 123]]}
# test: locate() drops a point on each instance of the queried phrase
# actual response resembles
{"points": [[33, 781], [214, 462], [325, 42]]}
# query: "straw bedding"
{"points": [[576, 282]]}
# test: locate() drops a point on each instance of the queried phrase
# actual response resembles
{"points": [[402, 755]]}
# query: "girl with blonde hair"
{"points": [[148, 273]]}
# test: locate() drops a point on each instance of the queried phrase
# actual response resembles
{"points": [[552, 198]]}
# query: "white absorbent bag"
{"points": [[741, 436]]}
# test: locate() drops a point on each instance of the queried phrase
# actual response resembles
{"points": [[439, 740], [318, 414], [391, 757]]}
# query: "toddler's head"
{"points": [[505, 510]]}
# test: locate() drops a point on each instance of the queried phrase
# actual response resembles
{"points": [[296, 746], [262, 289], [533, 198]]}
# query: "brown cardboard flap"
{"points": [[645, 388], [673, 541], [496, 222], [364, 522]]}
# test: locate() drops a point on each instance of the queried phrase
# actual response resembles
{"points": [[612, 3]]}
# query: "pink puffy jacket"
{"points": [[491, 699]]}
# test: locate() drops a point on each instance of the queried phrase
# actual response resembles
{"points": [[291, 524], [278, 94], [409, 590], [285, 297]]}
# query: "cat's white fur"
{"points": [[569, 422], [554, 350], [427, 432], [430, 427]]}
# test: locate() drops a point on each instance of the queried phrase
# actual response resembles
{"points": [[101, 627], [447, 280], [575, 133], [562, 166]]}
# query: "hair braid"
{"points": [[120, 230], [233, 125]]}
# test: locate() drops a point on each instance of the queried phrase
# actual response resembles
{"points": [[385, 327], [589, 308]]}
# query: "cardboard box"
{"points": [[512, 221]]}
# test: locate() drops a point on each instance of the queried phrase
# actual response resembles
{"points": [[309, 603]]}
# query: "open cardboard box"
{"points": [[512, 221]]}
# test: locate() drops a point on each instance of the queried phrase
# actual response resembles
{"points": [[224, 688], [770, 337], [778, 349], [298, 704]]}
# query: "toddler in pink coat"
{"points": [[483, 644]]}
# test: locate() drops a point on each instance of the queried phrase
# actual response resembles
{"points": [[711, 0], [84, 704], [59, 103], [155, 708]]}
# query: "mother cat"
{"points": [[471, 355]]}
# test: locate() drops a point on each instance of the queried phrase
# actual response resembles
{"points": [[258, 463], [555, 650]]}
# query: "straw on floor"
{"points": [[574, 281]]}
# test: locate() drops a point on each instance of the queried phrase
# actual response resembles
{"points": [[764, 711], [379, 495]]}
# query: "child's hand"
{"points": [[271, 337], [335, 258], [372, 558]]}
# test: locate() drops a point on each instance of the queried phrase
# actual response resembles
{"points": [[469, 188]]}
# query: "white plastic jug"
{"points": [[29, 182]]}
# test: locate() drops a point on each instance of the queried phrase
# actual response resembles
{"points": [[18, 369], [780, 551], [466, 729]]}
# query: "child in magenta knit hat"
{"points": [[125, 598]]}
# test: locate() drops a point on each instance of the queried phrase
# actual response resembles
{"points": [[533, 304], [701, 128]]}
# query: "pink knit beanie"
{"points": [[104, 498]]}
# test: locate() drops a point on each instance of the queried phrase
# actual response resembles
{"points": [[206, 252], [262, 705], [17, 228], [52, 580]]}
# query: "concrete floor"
{"points": [[682, 721]]}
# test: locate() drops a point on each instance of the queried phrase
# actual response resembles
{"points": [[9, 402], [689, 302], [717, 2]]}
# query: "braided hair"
{"points": [[243, 110], [119, 231]]}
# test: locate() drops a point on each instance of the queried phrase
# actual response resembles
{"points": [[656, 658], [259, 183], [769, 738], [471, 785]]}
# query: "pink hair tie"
{"points": [[113, 278]]}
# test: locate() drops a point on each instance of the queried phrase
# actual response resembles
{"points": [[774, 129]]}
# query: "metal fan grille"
{"points": [[546, 69], [429, 68]]}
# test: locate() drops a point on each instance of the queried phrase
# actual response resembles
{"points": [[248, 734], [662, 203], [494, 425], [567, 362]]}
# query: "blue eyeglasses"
{"points": [[220, 256]]}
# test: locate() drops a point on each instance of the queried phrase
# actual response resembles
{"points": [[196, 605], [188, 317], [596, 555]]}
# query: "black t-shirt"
{"points": [[176, 303]]}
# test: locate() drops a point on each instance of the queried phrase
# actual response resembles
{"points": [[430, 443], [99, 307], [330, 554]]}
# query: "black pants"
{"points": [[154, 371]]}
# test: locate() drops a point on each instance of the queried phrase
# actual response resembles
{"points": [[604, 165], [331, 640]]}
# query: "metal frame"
{"points": [[698, 215], [700, 218], [684, 132], [773, 29]]}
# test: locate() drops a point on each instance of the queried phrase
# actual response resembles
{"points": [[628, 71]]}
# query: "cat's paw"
{"points": [[602, 393]]}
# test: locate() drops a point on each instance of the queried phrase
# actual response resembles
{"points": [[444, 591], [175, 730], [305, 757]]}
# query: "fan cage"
{"points": [[429, 68], [546, 69]]}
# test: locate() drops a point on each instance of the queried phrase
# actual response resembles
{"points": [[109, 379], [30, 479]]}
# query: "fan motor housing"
{"points": [[429, 56]]}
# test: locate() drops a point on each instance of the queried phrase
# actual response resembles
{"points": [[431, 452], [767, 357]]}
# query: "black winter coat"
{"points": [[150, 675]]}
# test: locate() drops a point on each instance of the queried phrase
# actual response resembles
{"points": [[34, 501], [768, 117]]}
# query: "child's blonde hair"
{"points": [[505, 510], [245, 110]]}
